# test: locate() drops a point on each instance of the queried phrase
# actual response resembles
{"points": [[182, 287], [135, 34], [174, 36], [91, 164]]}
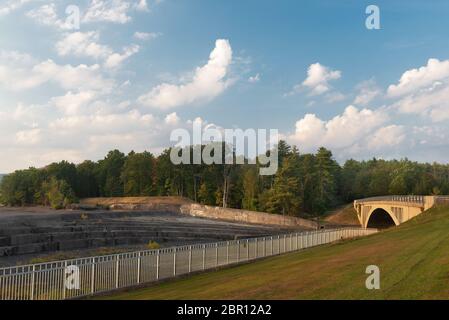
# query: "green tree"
{"points": [[285, 196], [138, 174], [109, 173], [58, 193], [326, 170], [250, 188], [87, 184]]}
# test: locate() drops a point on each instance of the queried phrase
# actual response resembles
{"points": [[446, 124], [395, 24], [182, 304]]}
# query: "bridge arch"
{"points": [[381, 217]]}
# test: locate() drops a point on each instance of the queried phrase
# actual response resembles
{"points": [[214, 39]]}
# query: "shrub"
{"points": [[153, 245]]}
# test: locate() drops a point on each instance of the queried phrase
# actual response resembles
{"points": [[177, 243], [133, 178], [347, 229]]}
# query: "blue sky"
{"points": [[308, 68]]}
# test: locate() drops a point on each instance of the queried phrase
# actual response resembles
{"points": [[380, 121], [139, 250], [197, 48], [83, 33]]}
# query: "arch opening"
{"points": [[380, 219]]}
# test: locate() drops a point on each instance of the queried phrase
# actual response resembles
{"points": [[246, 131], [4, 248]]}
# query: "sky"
{"points": [[135, 70]]}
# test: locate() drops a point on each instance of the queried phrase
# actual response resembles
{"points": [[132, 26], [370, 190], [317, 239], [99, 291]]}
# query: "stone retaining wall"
{"points": [[245, 216], [187, 207]]}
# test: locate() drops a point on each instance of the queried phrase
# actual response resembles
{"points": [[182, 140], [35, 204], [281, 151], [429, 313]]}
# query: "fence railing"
{"points": [[85, 276]]}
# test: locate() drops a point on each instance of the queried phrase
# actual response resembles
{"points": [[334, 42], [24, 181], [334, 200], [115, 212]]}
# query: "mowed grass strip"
{"points": [[413, 260]]}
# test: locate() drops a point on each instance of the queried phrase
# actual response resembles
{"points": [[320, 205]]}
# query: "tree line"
{"points": [[304, 185]]}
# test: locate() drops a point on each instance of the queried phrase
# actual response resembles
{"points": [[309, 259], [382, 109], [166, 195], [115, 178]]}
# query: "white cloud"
{"points": [[342, 131], [82, 44], [385, 137], [70, 77], [10, 5], [116, 59], [85, 44], [318, 77], [71, 103], [172, 118], [141, 5], [415, 79], [334, 97], [47, 15], [146, 35], [424, 91], [24, 73], [208, 82], [254, 79], [28, 137], [115, 11], [367, 92]]}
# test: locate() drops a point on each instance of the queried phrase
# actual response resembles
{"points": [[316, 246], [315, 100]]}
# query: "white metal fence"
{"points": [[86, 276]]}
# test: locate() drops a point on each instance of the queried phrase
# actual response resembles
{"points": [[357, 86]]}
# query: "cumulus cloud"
{"points": [[318, 77], [342, 131], [10, 5], [28, 137], [385, 137], [47, 15], [35, 135], [116, 59], [115, 11], [82, 44], [172, 119], [416, 79], [423, 91], [24, 73], [85, 44], [71, 103], [208, 82]]}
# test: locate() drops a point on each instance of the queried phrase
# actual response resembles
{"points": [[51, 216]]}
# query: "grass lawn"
{"points": [[413, 260]]}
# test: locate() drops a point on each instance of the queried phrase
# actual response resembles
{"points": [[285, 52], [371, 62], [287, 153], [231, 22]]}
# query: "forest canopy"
{"points": [[304, 185]]}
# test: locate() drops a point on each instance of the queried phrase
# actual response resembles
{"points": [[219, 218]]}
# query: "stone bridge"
{"points": [[383, 212]]}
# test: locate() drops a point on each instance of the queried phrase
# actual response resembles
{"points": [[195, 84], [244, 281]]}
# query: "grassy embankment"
{"points": [[413, 260], [344, 215]]}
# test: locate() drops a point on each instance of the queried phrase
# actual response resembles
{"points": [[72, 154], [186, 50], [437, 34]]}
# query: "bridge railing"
{"points": [[86, 276], [405, 199]]}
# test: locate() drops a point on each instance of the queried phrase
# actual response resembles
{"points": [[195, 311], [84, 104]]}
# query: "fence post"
{"points": [[32, 282], [204, 256], [256, 249], [216, 254], [93, 276], [247, 249], [272, 245], [190, 259], [296, 241], [279, 244], [174, 262], [264, 246], [238, 250], [157, 264], [227, 252], [63, 282], [117, 271], [138, 268], [285, 243]]}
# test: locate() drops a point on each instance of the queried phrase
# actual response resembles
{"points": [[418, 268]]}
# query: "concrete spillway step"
{"points": [[89, 243], [36, 235], [169, 234], [130, 226]]}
